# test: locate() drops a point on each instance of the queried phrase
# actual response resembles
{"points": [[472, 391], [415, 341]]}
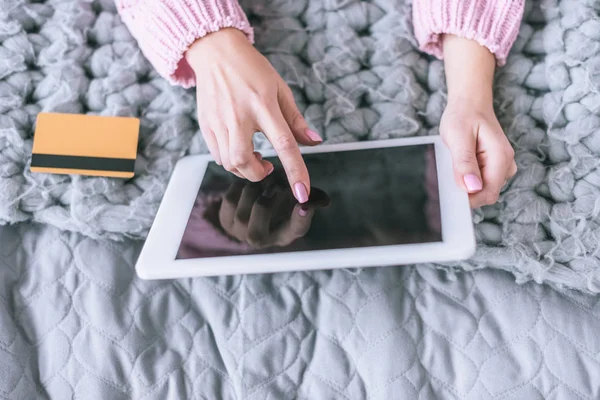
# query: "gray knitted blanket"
{"points": [[356, 75]]}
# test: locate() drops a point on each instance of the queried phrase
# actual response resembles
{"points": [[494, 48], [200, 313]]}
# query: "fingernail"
{"points": [[271, 169], [314, 136], [300, 192], [472, 183], [302, 212]]}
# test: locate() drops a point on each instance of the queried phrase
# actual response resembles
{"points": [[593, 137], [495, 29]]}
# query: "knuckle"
{"points": [[228, 167], [238, 158], [285, 144]]}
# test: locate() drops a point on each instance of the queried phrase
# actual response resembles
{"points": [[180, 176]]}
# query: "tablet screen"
{"points": [[359, 198]]}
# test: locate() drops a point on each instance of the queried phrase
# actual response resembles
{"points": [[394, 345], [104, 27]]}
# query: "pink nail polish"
{"points": [[271, 169], [314, 136], [472, 183], [302, 212], [300, 192]]}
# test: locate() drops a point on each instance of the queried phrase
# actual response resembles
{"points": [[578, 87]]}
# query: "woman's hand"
{"points": [[482, 155], [239, 93]]}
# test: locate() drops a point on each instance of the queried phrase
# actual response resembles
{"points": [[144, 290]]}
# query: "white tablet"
{"points": [[374, 203]]}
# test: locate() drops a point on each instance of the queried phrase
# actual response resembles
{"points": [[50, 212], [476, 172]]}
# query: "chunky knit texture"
{"points": [[165, 29], [357, 74]]}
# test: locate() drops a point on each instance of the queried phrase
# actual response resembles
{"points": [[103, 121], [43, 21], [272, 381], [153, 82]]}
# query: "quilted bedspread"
{"points": [[75, 322]]}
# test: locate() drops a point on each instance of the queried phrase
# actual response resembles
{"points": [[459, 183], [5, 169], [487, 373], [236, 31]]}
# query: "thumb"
{"points": [[303, 134], [463, 149]]}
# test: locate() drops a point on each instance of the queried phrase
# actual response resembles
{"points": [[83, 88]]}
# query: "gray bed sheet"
{"points": [[75, 322]]}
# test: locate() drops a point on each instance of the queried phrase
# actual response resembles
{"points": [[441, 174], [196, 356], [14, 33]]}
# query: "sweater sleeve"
{"points": [[492, 23], [165, 29]]}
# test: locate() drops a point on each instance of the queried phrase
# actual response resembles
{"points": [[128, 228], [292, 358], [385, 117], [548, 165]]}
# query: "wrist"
{"points": [[473, 99], [469, 70], [207, 46]]}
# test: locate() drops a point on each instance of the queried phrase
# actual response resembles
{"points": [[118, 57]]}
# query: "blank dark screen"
{"points": [[359, 198]]}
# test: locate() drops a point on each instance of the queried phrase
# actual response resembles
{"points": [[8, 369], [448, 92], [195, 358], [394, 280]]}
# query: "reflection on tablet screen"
{"points": [[359, 198]]}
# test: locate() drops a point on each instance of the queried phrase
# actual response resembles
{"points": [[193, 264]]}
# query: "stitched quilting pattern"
{"points": [[75, 322]]}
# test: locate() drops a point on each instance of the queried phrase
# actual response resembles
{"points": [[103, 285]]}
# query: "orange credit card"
{"points": [[85, 145]]}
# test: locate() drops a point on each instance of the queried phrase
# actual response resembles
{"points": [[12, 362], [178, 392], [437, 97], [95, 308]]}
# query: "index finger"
{"points": [[278, 132]]}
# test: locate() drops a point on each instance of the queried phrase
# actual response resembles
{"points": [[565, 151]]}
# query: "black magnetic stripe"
{"points": [[82, 162]]}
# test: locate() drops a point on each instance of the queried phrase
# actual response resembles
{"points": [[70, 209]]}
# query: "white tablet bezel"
{"points": [[157, 258]]}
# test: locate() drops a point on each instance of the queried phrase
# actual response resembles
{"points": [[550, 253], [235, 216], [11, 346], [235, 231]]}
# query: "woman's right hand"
{"points": [[239, 93]]}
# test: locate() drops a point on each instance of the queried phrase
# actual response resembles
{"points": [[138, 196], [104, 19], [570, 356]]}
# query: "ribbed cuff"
{"points": [[165, 29], [492, 23]]}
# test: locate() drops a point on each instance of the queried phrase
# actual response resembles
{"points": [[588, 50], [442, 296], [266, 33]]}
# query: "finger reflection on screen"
{"points": [[249, 216], [266, 214]]}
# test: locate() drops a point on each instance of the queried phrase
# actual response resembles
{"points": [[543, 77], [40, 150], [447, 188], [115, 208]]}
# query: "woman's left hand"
{"points": [[482, 156]]}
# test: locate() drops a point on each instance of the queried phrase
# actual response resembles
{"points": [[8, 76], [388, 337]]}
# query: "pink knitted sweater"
{"points": [[166, 28]]}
